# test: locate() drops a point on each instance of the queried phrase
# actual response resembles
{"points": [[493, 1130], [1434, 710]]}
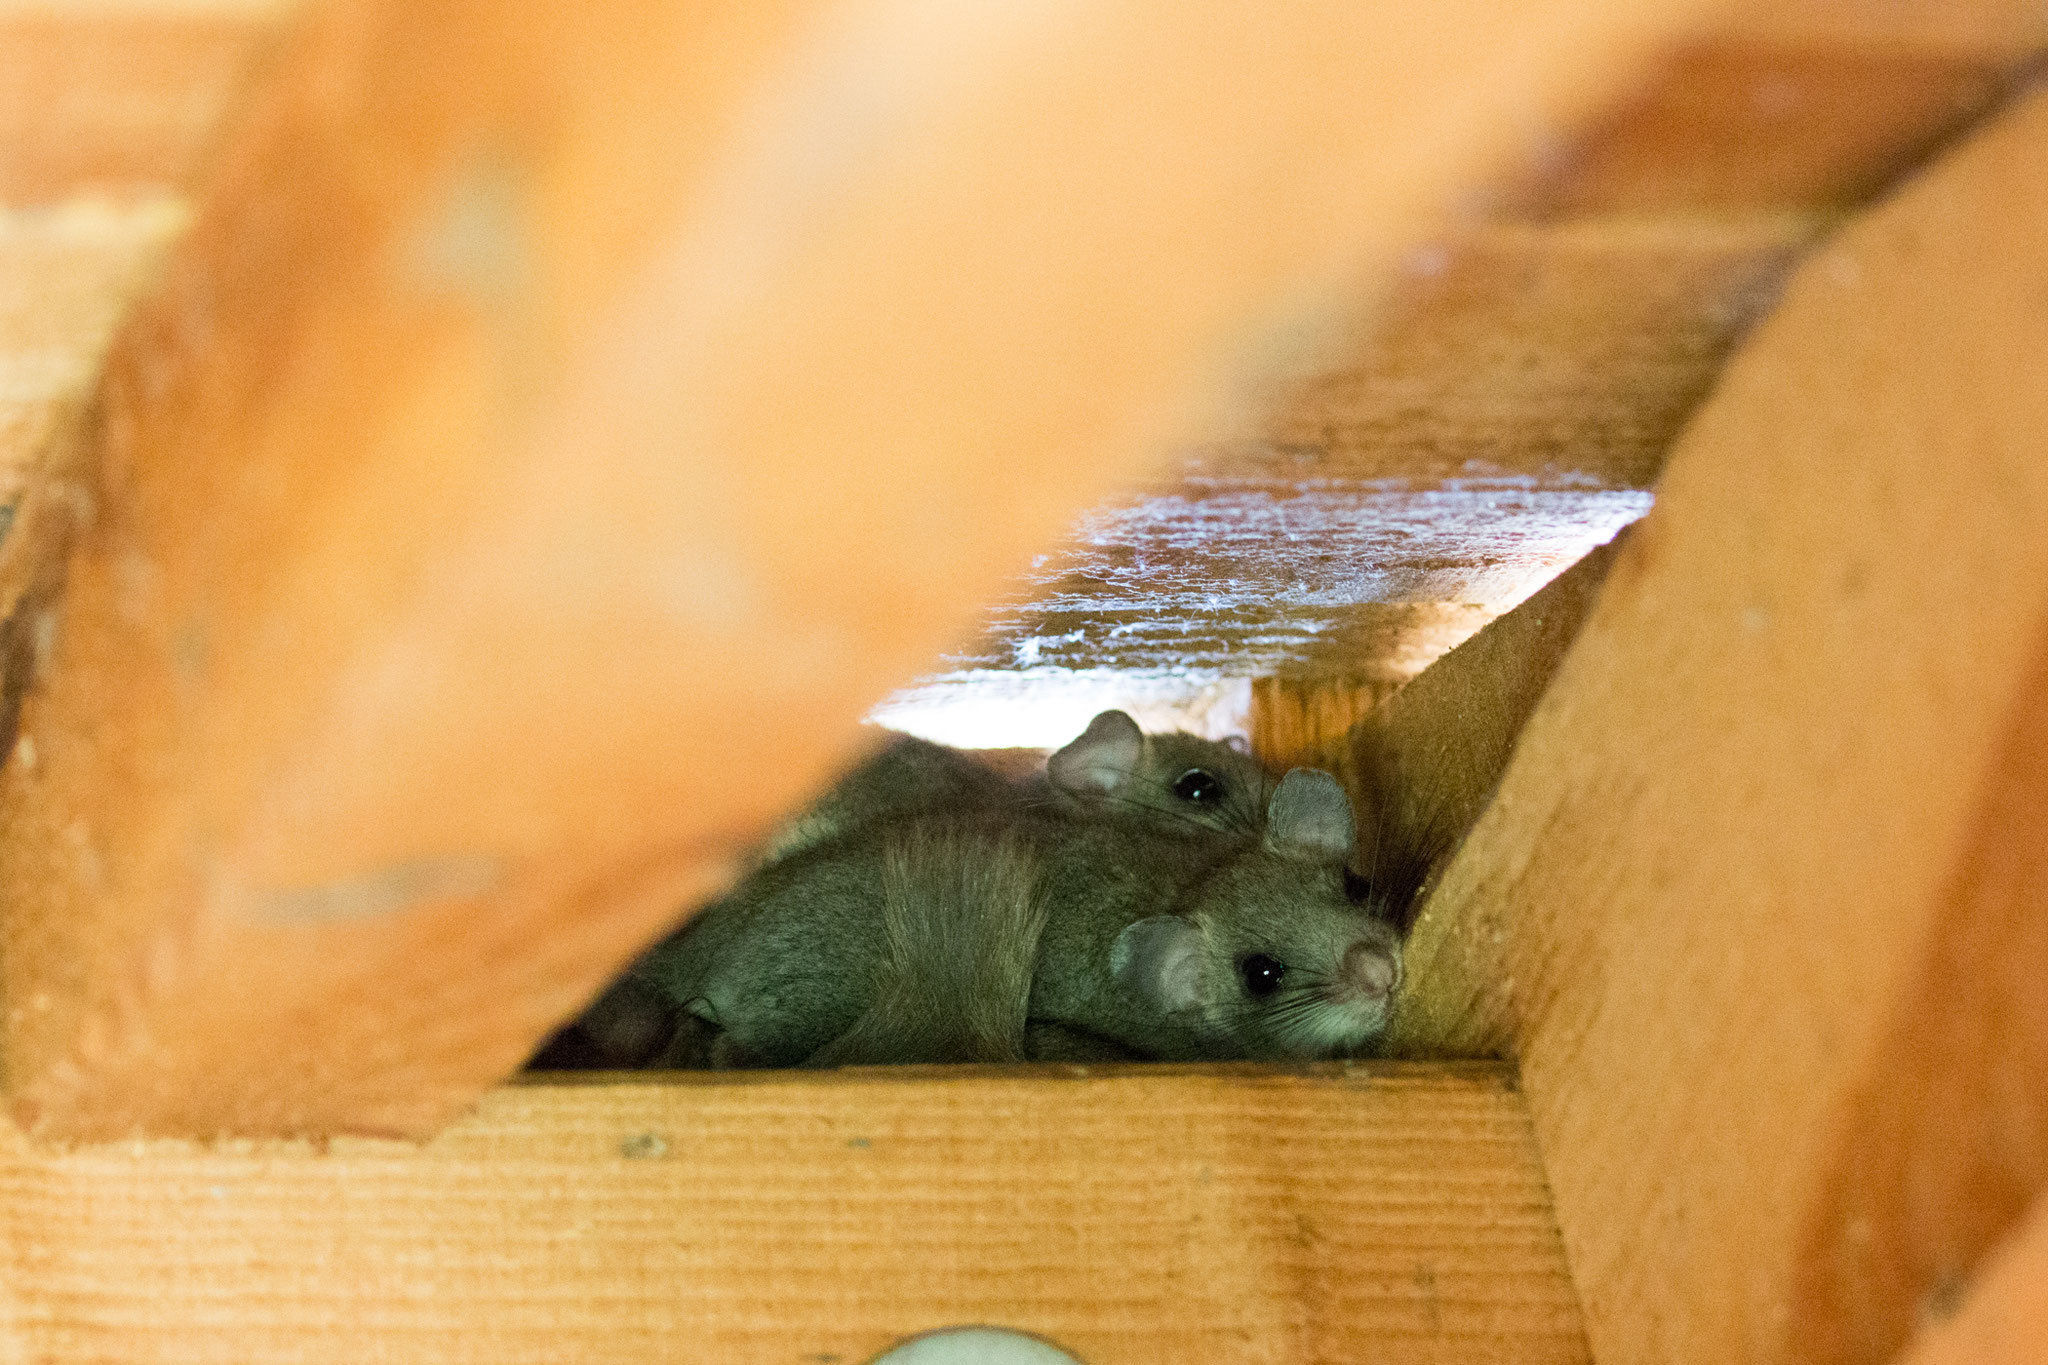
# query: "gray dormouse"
{"points": [[895, 920], [1262, 947]]}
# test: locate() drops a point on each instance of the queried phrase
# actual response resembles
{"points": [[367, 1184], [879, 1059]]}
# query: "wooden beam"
{"points": [[1148, 1214], [1423, 767], [67, 274], [1735, 124], [1521, 379], [117, 99], [1512, 399], [1998, 1317], [1760, 901], [525, 482]]}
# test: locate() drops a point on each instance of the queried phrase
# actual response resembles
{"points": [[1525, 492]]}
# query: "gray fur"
{"points": [[1145, 936], [813, 956], [1115, 771], [1112, 771], [961, 913], [906, 777]]}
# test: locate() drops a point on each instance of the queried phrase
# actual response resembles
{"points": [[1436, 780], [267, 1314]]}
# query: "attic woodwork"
{"points": [[333, 795], [346, 549], [1998, 1314], [1775, 828], [1504, 402], [1150, 1214]]}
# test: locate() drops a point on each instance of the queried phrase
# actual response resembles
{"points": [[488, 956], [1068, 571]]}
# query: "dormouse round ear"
{"points": [[1160, 960], [1310, 815], [1102, 759]]}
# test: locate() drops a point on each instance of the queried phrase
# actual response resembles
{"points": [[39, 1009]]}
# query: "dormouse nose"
{"points": [[1372, 969]]}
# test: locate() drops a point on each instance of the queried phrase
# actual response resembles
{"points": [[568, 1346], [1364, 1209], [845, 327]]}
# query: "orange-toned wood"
{"points": [[1149, 1215], [1998, 1317], [1302, 723], [1516, 391], [119, 97], [1470, 439], [525, 481], [1989, 28], [1760, 901], [1423, 767], [66, 276], [1746, 125]]}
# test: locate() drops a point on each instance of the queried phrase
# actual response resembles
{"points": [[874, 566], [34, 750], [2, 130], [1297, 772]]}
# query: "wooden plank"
{"points": [[1423, 767], [2008, 29], [1303, 723], [119, 99], [1147, 1214], [1502, 413], [525, 482], [1734, 125], [66, 276], [1760, 901], [2000, 1317]]}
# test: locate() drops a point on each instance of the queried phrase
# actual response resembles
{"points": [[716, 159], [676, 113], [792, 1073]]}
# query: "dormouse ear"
{"points": [[1102, 759], [1311, 816], [1160, 960]]}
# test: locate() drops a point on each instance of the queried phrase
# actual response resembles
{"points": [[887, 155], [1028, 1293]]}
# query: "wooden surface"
{"points": [[1424, 765], [1421, 762], [1506, 404], [1999, 1316], [1506, 414], [1760, 902], [1154, 1214], [524, 483], [107, 108], [119, 99]]}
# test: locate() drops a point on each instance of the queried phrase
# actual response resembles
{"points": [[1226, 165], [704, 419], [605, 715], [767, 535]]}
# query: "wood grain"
{"points": [[1149, 1214], [1513, 396], [1759, 903], [1424, 766], [1303, 723], [505, 456]]}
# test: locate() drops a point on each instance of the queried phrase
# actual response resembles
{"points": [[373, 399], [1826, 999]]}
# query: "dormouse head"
{"points": [[1173, 779], [1281, 952]]}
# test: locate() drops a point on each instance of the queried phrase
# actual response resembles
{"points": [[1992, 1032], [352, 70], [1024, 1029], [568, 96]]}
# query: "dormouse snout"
{"points": [[1371, 971]]}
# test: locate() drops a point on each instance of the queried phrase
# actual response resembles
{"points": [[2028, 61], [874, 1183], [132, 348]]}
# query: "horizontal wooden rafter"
{"points": [[1136, 1215]]}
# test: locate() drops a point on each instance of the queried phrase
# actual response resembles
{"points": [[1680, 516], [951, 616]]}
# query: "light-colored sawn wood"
{"points": [[1148, 1215], [1760, 901], [525, 481]]}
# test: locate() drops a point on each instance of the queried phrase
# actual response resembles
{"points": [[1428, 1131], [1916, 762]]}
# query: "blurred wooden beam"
{"points": [[1997, 1317], [1522, 380], [119, 98], [525, 481], [1152, 1214], [1760, 902]]}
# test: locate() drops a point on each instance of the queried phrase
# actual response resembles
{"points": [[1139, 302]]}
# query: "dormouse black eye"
{"points": [[1356, 888], [1261, 974], [1203, 788]]}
